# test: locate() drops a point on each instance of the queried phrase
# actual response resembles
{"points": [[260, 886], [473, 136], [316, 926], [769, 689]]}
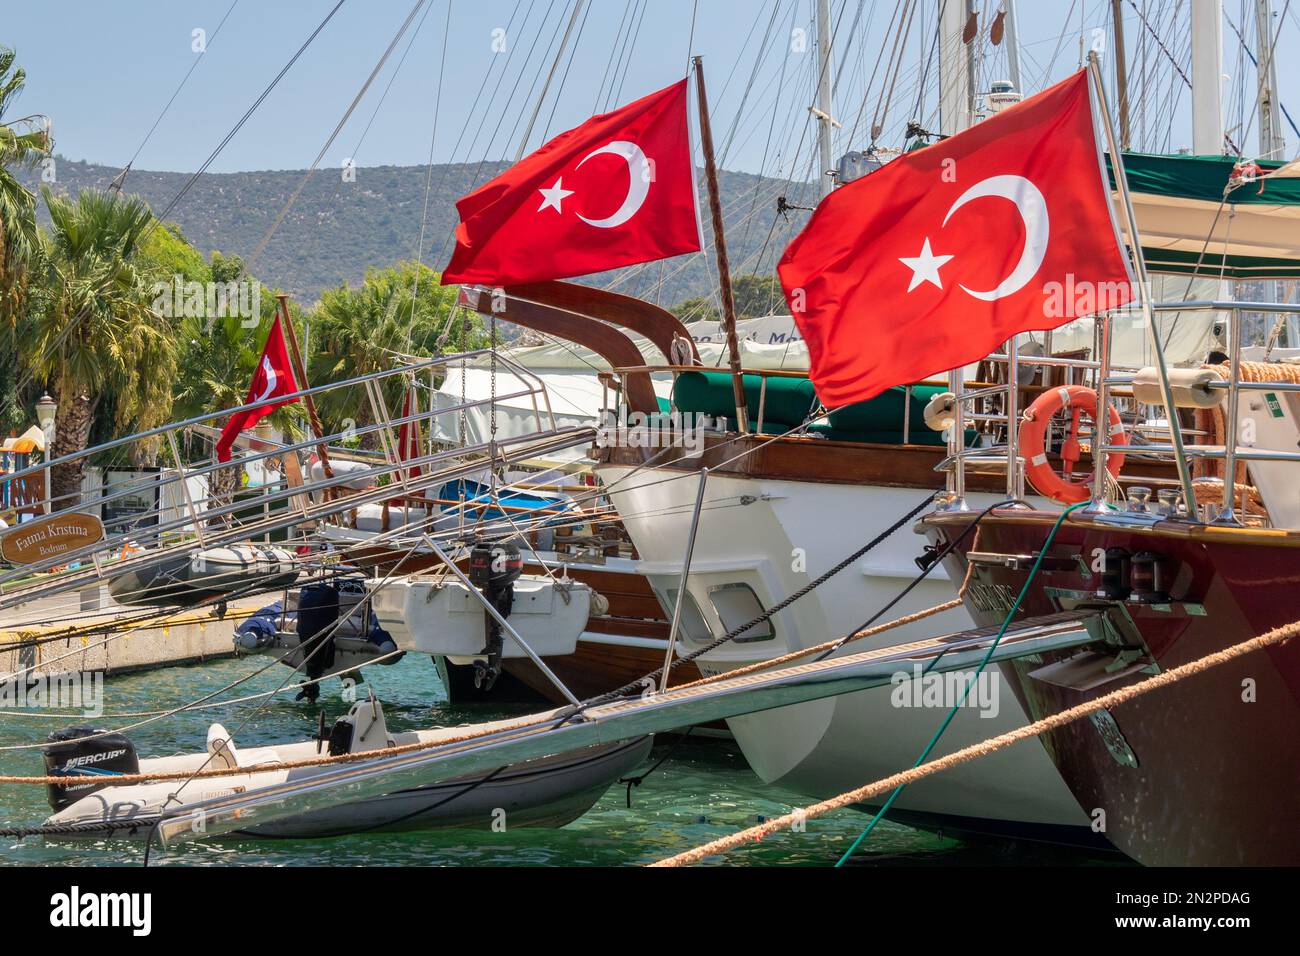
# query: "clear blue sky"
{"points": [[103, 72]]}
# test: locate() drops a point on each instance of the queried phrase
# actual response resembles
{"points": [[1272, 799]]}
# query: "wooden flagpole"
{"points": [[720, 246], [300, 372]]}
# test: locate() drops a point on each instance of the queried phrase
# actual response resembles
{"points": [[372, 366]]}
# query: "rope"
{"points": [[1212, 422], [952, 711], [324, 759], [967, 754], [68, 829]]}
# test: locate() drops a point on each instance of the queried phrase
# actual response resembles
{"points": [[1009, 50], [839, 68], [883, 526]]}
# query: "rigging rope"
{"points": [[965, 691], [638, 686], [899, 780]]}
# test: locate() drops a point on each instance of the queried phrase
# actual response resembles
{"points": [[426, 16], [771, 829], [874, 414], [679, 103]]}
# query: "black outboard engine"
{"points": [[318, 611], [78, 752], [494, 567]]}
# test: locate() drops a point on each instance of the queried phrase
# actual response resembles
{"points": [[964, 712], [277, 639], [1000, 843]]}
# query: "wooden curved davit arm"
{"points": [[658, 325], [603, 339]]}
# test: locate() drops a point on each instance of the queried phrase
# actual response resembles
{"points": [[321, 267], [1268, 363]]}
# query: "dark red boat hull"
{"points": [[1217, 780]]}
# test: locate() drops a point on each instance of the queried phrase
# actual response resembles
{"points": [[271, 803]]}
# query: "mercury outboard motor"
{"points": [[493, 569], [79, 752]]}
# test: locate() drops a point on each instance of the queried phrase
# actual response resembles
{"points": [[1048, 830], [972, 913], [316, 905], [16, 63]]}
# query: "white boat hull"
{"points": [[775, 536]]}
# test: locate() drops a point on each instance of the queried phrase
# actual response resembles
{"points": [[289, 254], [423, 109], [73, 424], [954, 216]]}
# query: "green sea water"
{"points": [[703, 790]]}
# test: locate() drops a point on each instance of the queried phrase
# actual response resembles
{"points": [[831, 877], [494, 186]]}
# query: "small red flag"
{"points": [[274, 376], [615, 191], [939, 257], [408, 433]]}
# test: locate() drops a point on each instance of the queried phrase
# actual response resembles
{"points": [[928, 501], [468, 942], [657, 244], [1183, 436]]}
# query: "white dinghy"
{"points": [[467, 620], [430, 615], [549, 791]]}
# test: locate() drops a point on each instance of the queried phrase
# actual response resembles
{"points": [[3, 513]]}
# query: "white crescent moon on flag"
{"points": [[638, 168], [1033, 211], [269, 369]]}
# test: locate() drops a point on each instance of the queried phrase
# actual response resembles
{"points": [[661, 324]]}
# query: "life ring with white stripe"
{"points": [[1078, 401]]}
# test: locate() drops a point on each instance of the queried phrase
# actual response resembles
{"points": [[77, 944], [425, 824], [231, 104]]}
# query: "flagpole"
{"points": [[1102, 427], [300, 371], [720, 247]]}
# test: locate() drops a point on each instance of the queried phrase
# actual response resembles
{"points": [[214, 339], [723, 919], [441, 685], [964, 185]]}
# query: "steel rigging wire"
{"points": [[71, 326]]}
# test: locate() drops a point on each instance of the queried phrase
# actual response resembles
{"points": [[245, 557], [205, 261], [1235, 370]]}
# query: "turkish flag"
{"points": [[274, 376], [615, 191], [939, 257]]}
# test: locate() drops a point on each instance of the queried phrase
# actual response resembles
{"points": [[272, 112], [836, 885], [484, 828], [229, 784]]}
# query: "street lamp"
{"points": [[45, 411]]}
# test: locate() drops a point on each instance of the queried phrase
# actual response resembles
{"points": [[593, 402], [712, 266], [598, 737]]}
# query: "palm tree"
{"points": [[396, 311], [22, 144], [90, 331]]}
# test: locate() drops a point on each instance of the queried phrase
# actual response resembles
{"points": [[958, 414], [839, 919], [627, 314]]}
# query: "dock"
{"points": [[112, 638]]}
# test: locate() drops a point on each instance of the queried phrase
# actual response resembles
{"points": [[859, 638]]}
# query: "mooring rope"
{"points": [[1113, 699], [323, 760]]}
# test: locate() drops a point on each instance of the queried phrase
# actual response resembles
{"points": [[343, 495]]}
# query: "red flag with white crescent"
{"points": [[615, 191], [274, 376], [939, 257]]}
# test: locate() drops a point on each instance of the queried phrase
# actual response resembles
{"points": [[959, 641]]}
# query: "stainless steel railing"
{"points": [[203, 519], [1107, 378]]}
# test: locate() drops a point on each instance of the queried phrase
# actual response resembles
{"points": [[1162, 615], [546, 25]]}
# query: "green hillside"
{"points": [[337, 229]]}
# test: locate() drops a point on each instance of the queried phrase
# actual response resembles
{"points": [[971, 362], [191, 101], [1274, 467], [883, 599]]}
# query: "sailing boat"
{"points": [[779, 508]]}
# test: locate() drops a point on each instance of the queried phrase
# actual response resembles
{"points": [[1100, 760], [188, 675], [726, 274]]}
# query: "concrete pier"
{"points": [[87, 631]]}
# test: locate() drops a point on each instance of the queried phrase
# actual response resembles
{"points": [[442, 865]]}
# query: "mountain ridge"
{"points": [[336, 228]]}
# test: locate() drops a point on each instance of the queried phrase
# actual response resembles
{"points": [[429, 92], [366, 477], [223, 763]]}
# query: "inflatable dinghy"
{"points": [[546, 792], [210, 573]]}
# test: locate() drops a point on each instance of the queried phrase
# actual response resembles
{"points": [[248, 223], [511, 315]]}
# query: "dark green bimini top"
{"points": [[789, 402], [1253, 229]]}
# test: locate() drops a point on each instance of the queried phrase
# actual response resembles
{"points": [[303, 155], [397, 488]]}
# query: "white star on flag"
{"points": [[925, 266], [554, 196]]}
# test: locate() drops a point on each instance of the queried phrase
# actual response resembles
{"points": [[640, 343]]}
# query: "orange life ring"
{"points": [[1033, 443]]}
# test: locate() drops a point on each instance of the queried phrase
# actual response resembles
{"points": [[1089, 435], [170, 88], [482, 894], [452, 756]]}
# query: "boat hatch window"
{"points": [[737, 604], [693, 626]]}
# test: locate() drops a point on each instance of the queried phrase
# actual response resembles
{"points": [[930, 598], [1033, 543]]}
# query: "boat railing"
{"points": [[1110, 383], [1230, 451], [153, 514]]}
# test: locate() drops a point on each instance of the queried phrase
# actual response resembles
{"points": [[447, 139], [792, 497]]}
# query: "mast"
{"points": [[1272, 144], [955, 68], [826, 183], [1013, 46], [1121, 73], [970, 33], [1207, 73], [720, 247]]}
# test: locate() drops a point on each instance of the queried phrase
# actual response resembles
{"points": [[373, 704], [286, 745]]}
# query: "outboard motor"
{"points": [[318, 611], [78, 752], [493, 569]]}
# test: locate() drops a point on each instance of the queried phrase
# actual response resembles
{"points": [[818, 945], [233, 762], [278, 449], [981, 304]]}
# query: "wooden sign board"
{"points": [[50, 537]]}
